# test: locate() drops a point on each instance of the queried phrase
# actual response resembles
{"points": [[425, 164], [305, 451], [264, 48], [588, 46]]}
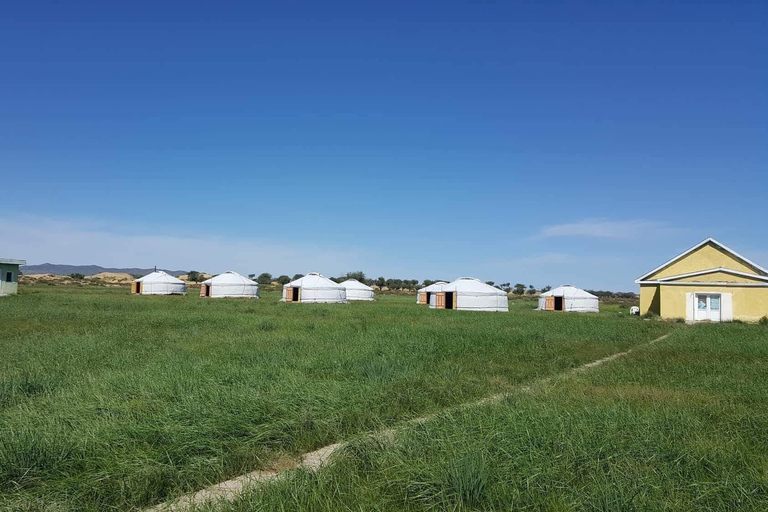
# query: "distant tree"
{"points": [[603, 294], [381, 282], [193, 275], [264, 278], [297, 276], [76, 275], [546, 289], [427, 282], [358, 274], [283, 279], [505, 286], [519, 289], [490, 283], [251, 276], [531, 289]]}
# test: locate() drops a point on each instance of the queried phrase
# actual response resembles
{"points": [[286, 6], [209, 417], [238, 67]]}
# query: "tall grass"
{"points": [[115, 401], [678, 426]]}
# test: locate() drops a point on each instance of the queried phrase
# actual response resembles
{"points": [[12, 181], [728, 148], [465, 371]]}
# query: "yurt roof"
{"points": [[471, 285], [354, 284], [158, 276], [313, 280], [567, 290], [434, 287], [229, 277]]}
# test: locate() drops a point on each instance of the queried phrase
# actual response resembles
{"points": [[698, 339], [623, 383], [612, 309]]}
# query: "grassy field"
{"points": [[115, 401], [677, 426]]}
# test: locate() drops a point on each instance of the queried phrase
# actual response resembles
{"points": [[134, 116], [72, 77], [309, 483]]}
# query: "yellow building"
{"points": [[708, 282]]}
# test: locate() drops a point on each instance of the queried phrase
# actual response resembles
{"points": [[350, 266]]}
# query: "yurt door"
{"points": [[440, 300], [423, 298], [450, 300], [549, 304], [289, 294], [296, 295]]}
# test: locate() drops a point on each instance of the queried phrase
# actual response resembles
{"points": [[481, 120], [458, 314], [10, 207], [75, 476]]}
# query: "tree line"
{"points": [[265, 278]]}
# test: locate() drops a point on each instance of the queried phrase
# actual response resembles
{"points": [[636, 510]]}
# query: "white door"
{"points": [[714, 307], [707, 307]]}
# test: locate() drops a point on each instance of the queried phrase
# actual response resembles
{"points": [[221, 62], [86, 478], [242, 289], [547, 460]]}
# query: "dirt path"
{"points": [[230, 490]]}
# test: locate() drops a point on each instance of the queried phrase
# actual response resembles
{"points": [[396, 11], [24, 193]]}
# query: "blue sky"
{"points": [[535, 142]]}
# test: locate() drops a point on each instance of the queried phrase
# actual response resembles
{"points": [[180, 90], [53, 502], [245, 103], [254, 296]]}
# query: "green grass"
{"points": [[677, 426], [115, 401]]}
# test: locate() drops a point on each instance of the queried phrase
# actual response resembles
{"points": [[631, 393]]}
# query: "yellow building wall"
{"points": [[649, 299], [749, 303], [704, 258], [719, 277]]}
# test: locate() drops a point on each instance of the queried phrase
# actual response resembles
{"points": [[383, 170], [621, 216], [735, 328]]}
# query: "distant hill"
{"points": [[88, 270]]}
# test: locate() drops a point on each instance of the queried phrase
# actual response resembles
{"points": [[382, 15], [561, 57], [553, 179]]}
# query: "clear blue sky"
{"points": [[539, 142]]}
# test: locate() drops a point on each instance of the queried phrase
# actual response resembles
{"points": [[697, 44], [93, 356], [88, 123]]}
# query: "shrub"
{"points": [[764, 320]]}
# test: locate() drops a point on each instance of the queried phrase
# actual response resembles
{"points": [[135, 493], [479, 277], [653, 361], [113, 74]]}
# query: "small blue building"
{"points": [[9, 276]]}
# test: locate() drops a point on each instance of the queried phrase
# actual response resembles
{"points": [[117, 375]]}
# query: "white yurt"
{"points": [[424, 295], [159, 283], [470, 294], [357, 290], [229, 284], [568, 298], [314, 287]]}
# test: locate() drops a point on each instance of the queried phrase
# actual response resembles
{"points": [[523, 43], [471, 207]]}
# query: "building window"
{"points": [[9, 277]]}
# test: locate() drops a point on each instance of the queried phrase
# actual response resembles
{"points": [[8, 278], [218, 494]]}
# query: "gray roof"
{"points": [[6, 261]]}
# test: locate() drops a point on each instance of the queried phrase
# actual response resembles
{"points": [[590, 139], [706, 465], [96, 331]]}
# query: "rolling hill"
{"points": [[88, 270]]}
